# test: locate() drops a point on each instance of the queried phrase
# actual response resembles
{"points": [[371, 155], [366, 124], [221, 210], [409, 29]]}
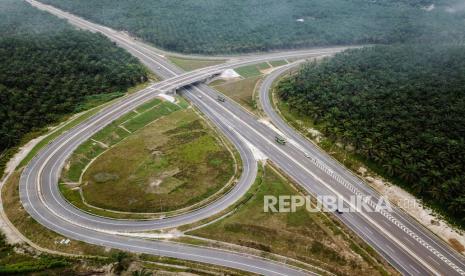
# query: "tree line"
{"points": [[224, 26], [402, 107], [48, 70]]}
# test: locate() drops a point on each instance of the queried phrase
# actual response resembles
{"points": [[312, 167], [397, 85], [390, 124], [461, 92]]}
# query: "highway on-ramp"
{"points": [[406, 244]]}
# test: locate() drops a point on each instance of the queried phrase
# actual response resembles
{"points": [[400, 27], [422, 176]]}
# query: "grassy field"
{"points": [[189, 64], [252, 70], [112, 134], [240, 91], [313, 238], [172, 163], [276, 63]]}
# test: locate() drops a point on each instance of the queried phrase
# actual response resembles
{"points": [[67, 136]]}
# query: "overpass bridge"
{"points": [[203, 78]]}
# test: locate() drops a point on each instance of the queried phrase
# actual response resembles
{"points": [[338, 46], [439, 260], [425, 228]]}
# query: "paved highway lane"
{"points": [[41, 198], [48, 207], [406, 244], [44, 171], [437, 253]]}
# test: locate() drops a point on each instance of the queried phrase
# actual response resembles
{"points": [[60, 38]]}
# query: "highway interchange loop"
{"points": [[402, 241]]}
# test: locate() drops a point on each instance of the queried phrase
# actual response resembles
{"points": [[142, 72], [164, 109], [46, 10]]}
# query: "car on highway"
{"points": [[221, 99], [280, 140]]}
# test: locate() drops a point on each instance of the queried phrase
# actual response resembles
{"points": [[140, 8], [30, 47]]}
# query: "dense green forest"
{"points": [[48, 69], [225, 26], [402, 107]]}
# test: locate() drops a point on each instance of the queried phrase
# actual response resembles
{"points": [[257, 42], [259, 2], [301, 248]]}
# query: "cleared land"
{"points": [[171, 161], [189, 64], [313, 238]]}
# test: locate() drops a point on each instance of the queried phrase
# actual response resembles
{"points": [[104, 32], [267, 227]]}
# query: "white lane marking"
{"points": [[160, 86], [390, 248], [232, 115], [226, 197], [368, 230], [395, 223], [164, 84], [409, 241], [416, 270], [338, 178], [432, 259], [124, 245]]}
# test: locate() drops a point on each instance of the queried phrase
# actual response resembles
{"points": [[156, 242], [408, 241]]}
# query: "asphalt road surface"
{"points": [[404, 243], [418, 240]]}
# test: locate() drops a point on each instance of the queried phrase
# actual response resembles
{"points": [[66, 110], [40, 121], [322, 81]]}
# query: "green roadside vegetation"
{"points": [[189, 64], [181, 267], [22, 260], [162, 157], [49, 70], [311, 237], [396, 110], [113, 134], [86, 259]]}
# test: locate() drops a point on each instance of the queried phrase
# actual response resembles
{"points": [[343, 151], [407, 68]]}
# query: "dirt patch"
{"points": [[457, 245], [164, 183], [267, 71]]}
